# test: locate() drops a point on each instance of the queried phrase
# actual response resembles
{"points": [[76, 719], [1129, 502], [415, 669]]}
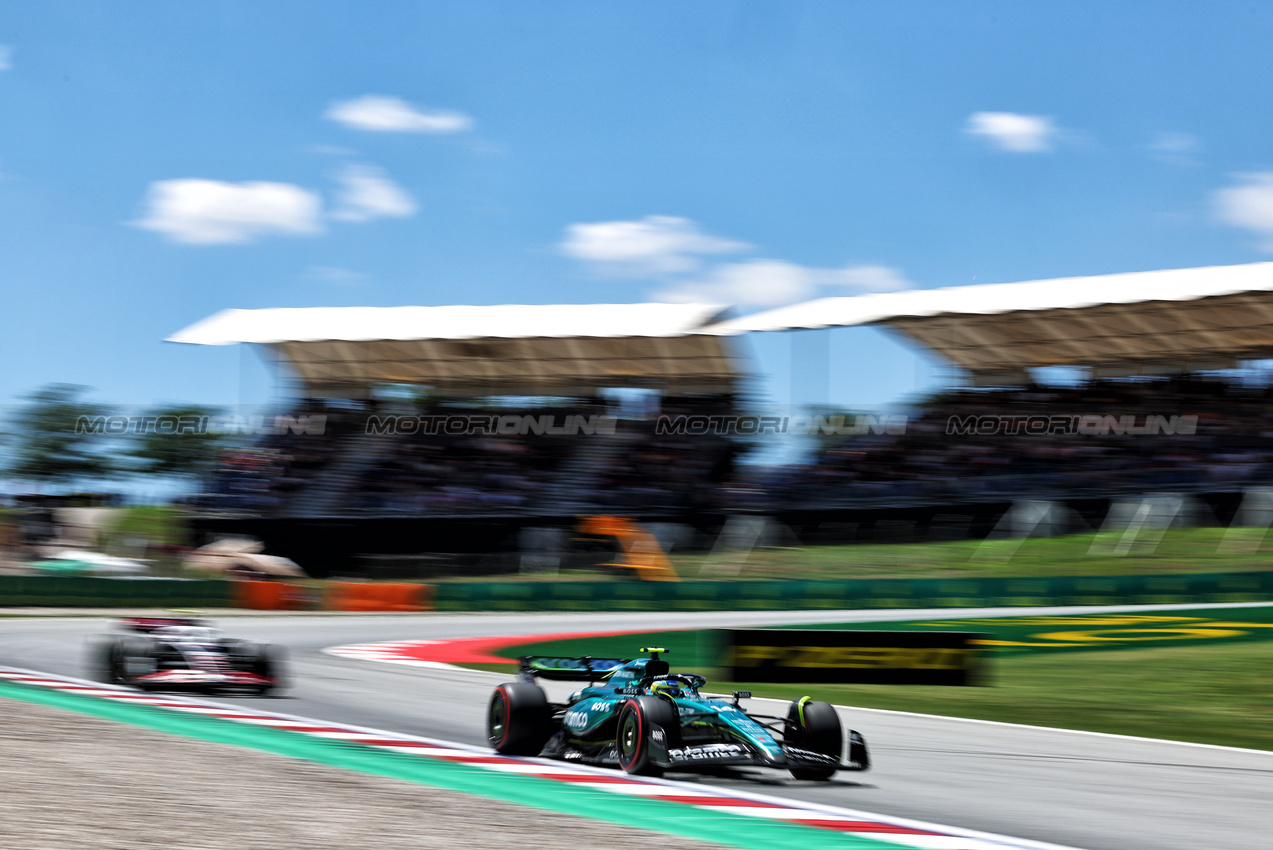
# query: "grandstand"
{"points": [[1120, 325], [511, 425], [1152, 415], [1099, 440], [461, 450]]}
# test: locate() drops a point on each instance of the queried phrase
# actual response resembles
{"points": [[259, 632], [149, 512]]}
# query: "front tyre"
{"points": [[261, 659], [519, 720], [268, 664], [637, 720], [814, 726]]}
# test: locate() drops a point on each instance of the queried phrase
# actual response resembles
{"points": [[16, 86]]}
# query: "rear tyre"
{"points": [[100, 660], [637, 720], [131, 659], [814, 726], [519, 720]]}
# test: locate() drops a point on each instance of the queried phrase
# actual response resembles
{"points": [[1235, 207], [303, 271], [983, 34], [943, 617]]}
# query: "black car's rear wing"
{"points": [[582, 669]]}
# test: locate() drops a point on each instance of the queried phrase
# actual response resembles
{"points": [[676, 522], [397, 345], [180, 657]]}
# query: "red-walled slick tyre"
{"points": [[518, 719], [637, 719]]}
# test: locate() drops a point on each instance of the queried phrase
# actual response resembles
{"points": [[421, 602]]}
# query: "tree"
{"points": [[51, 442], [175, 441]]}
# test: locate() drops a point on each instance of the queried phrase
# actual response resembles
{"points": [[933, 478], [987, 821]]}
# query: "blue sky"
{"points": [[161, 161]]}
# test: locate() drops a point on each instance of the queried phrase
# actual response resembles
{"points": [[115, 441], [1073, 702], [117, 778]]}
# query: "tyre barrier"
{"points": [[271, 596], [377, 596]]}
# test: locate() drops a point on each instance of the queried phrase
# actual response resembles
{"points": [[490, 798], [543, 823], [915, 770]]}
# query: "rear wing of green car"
{"points": [[582, 669]]}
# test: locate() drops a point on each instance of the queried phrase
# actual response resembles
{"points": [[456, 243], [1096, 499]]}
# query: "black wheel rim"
{"points": [[495, 720], [628, 742]]}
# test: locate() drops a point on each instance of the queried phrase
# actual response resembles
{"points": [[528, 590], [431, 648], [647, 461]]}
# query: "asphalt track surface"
{"points": [[1078, 790]]}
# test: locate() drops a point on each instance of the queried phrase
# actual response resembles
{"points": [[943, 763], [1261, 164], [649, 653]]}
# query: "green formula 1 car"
{"points": [[637, 714]]}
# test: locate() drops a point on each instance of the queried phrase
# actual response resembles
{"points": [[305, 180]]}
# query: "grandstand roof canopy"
{"points": [[540, 349], [1141, 323]]}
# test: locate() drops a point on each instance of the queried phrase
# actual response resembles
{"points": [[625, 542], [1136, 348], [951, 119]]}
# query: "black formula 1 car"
{"points": [[170, 653], [645, 719]]}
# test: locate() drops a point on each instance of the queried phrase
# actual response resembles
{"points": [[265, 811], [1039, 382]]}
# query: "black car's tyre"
{"points": [[133, 657], [267, 663], [519, 720], [100, 659], [271, 664], [636, 721], [814, 726], [262, 659]]}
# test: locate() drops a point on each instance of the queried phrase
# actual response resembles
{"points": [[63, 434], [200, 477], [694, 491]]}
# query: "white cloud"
{"points": [[1175, 143], [1176, 148], [766, 283], [334, 274], [367, 193], [1011, 132], [331, 150], [383, 114], [1249, 206], [869, 278], [656, 245], [673, 251], [208, 212], [762, 282], [6, 57]]}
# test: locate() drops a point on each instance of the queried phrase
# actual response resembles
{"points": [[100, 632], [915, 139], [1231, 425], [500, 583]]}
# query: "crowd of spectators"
{"points": [[625, 466], [669, 472], [472, 473], [940, 458], [1212, 434], [263, 476]]}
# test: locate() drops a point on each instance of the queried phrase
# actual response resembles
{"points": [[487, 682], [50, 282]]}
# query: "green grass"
{"points": [[1193, 550], [1013, 635], [1190, 550], [1211, 695], [1213, 690]]}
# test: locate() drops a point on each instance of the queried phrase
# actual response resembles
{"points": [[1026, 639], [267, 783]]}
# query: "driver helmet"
{"points": [[666, 687]]}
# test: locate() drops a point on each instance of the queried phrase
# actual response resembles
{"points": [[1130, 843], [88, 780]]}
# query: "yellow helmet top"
{"points": [[666, 688]]}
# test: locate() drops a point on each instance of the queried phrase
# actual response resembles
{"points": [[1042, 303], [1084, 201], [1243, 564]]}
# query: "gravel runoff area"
{"points": [[75, 782]]}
